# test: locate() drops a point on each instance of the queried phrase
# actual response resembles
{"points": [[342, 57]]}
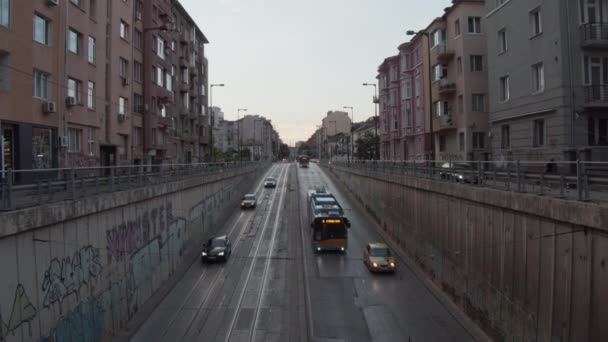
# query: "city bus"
{"points": [[329, 234], [303, 161]]}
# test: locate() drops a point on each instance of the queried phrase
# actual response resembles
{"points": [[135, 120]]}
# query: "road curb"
{"points": [[467, 323]]}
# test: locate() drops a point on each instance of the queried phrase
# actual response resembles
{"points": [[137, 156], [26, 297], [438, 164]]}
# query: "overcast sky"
{"points": [[293, 60]]}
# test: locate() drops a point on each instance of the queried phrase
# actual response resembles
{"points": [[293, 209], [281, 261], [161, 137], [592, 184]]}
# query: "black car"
{"points": [[270, 182], [217, 248], [459, 172], [249, 202]]}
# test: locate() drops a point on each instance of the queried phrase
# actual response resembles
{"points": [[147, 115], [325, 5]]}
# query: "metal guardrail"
{"points": [[27, 188], [578, 180]]}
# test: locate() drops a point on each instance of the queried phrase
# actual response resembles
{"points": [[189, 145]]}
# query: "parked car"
{"points": [[216, 249], [249, 201], [459, 172], [378, 258], [270, 182]]}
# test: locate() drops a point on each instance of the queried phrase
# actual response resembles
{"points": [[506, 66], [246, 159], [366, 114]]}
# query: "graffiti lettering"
{"points": [[23, 311], [84, 323], [65, 276]]}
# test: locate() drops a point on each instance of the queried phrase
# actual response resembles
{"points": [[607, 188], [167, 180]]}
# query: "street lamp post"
{"points": [[238, 129], [212, 118], [377, 149], [352, 142], [430, 89]]}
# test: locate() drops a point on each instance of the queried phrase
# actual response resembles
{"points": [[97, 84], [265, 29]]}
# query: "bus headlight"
{"points": [[392, 264], [375, 264], [342, 249], [318, 249]]}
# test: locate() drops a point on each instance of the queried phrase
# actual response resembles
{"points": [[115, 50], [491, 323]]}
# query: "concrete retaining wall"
{"points": [[524, 267], [79, 270]]}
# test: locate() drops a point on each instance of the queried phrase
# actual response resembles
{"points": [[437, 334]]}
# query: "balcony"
{"points": [[596, 96], [446, 86], [442, 53], [193, 70], [164, 121], [443, 122], [594, 35]]}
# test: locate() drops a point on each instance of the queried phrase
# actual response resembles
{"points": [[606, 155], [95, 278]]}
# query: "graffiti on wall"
{"points": [[84, 323], [22, 312], [128, 237], [67, 275]]}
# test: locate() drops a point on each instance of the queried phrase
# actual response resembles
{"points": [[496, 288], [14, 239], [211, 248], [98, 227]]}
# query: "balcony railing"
{"points": [[596, 95], [594, 35], [446, 86], [442, 52]]}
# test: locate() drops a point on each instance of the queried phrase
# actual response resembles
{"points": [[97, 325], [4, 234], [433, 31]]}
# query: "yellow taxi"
{"points": [[378, 258]]}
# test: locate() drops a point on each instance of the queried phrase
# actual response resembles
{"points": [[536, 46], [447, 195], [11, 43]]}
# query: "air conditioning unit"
{"points": [[64, 141], [125, 81], [70, 101], [122, 117], [52, 2], [49, 107]]}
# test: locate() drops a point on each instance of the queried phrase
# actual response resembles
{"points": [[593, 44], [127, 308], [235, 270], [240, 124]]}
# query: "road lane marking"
{"points": [[267, 265], [251, 266], [195, 286]]}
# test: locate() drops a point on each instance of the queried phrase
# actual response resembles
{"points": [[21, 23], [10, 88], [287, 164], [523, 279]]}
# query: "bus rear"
{"points": [[329, 234]]}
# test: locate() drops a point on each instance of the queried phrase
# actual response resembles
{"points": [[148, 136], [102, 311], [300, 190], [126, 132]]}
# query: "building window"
{"points": [[123, 146], [163, 111], [186, 100], [74, 41], [160, 77], [138, 103], [478, 140], [75, 89], [77, 2], [504, 89], [185, 77], [474, 24], [536, 23], [457, 27], [92, 8], [137, 71], [438, 38], [5, 83], [502, 41], [137, 39], [476, 63], [440, 71], [538, 77], [539, 132], [459, 65], [124, 30], [74, 136], [123, 68], [154, 75], [5, 12], [91, 140], [42, 85], [461, 141], [91, 50], [460, 104], [168, 80], [138, 9], [41, 29], [477, 104], [597, 131], [505, 139], [136, 136], [160, 48], [442, 143], [122, 105], [91, 95]]}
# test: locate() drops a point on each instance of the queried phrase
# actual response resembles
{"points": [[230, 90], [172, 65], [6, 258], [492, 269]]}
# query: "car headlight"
{"points": [[220, 254], [392, 264], [204, 254], [375, 264], [460, 177], [242, 203]]}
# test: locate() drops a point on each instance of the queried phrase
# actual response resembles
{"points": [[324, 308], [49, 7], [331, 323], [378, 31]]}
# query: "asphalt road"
{"points": [[275, 288]]}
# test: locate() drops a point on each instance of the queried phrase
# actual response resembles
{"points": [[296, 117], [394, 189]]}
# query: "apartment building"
{"points": [[548, 80], [32, 79], [459, 82], [227, 136], [257, 134], [414, 79], [390, 109]]}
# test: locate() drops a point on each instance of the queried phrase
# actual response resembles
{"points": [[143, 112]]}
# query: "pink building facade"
{"points": [[390, 109]]}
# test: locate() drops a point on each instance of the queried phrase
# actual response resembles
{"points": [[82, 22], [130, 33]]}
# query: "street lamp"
{"points": [[352, 143], [377, 149], [428, 56], [212, 117], [238, 128]]}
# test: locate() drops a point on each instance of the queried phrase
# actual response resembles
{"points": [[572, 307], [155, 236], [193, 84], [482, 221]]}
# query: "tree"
{"points": [[283, 151], [366, 146]]}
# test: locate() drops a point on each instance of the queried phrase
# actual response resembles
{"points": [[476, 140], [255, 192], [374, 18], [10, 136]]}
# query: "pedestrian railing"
{"points": [[26, 188], [579, 180]]}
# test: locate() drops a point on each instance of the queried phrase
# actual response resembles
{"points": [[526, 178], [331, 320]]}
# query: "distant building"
{"points": [[218, 115], [391, 147], [334, 123]]}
